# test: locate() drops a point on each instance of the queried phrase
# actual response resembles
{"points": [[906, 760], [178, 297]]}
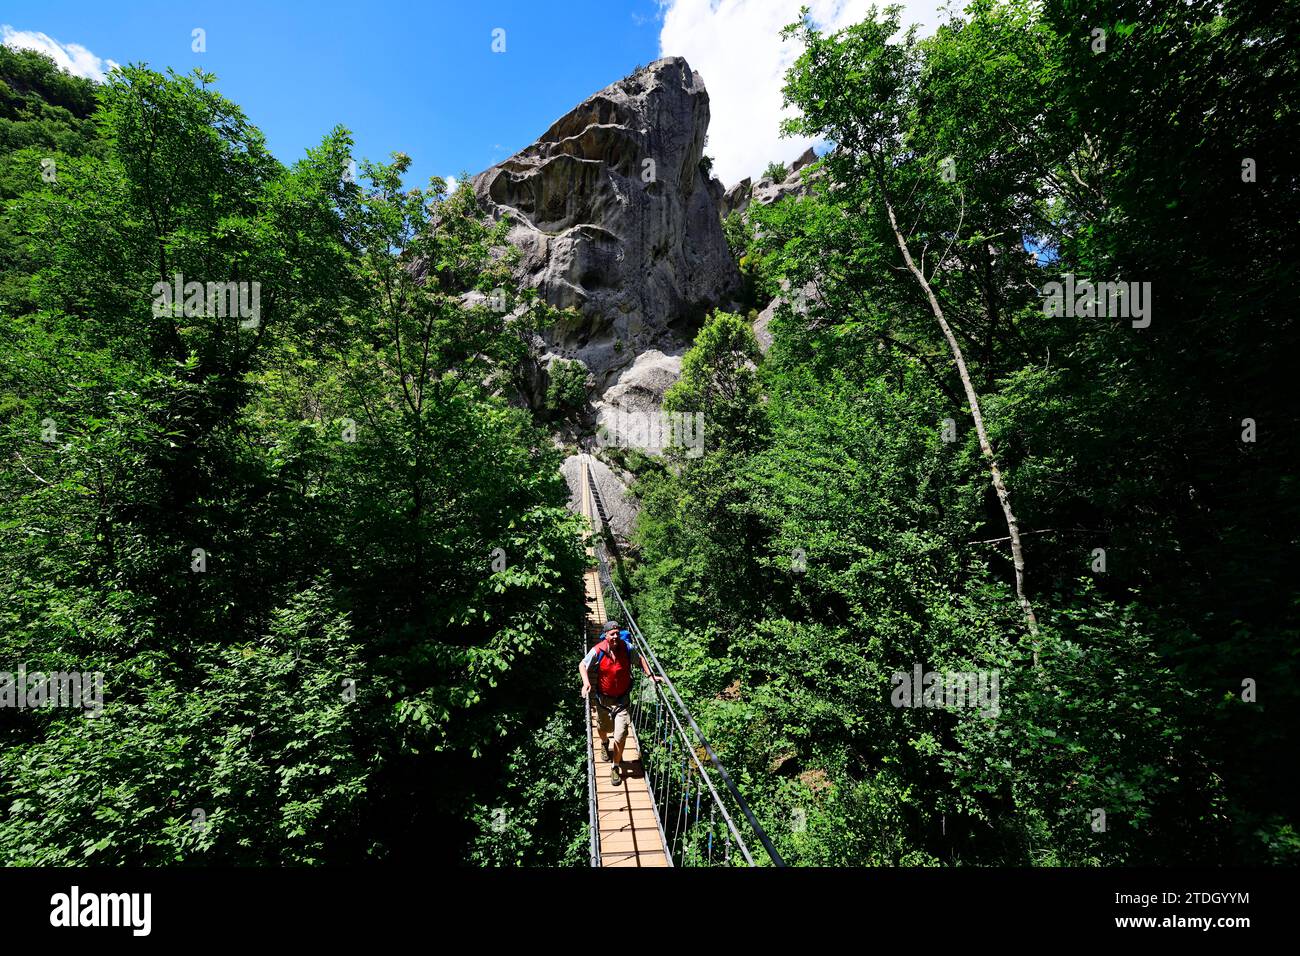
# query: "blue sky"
{"points": [[416, 77], [423, 78]]}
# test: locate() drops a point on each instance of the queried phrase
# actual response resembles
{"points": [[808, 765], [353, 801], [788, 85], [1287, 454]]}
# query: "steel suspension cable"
{"points": [[643, 646]]}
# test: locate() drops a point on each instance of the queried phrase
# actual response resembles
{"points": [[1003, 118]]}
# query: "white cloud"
{"points": [[73, 57], [736, 46], [452, 183]]}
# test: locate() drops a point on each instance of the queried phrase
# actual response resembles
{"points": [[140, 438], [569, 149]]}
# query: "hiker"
{"points": [[612, 658]]}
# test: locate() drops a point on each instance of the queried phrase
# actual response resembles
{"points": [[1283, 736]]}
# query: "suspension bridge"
{"points": [[675, 804]]}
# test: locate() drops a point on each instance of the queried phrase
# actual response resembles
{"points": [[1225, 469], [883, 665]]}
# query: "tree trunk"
{"points": [[1004, 497]]}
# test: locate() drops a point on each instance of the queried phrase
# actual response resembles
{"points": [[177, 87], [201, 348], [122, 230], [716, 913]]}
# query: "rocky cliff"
{"points": [[767, 191], [616, 219]]}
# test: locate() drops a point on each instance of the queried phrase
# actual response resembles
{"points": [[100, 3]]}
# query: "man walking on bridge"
{"points": [[612, 658]]}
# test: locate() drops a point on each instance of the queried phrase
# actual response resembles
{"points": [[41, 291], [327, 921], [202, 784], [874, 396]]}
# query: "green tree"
{"points": [[776, 172], [325, 569], [875, 539], [566, 386], [719, 380]]}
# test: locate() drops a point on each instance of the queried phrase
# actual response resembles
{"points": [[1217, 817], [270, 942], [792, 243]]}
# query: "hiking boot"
{"points": [[613, 775], [604, 750]]}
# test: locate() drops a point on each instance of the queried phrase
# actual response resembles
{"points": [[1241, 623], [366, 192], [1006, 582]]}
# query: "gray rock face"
{"points": [[761, 323], [736, 199], [806, 158], [619, 506], [801, 300], [615, 219], [767, 191], [628, 413]]}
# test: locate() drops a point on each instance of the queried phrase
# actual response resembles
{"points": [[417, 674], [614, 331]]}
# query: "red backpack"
{"points": [[614, 667]]}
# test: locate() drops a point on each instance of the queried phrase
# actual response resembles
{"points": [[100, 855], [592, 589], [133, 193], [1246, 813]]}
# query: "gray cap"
{"points": [[611, 626]]}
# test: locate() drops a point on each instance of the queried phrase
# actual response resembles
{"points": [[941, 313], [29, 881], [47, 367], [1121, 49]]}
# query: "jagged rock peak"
{"points": [[615, 218], [767, 191]]}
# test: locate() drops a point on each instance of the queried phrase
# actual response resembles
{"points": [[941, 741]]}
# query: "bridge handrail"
{"points": [[593, 817], [643, 645]]}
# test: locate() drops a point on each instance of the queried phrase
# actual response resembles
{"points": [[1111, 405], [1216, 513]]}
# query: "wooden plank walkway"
{"points": [[628, 827]]}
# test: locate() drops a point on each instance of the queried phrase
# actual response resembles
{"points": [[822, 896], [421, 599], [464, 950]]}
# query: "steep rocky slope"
{"points": [[616, 219]]}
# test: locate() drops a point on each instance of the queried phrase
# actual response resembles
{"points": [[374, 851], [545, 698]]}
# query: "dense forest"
{"points": [[322, 554], [319, 560], [844, 524]]}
